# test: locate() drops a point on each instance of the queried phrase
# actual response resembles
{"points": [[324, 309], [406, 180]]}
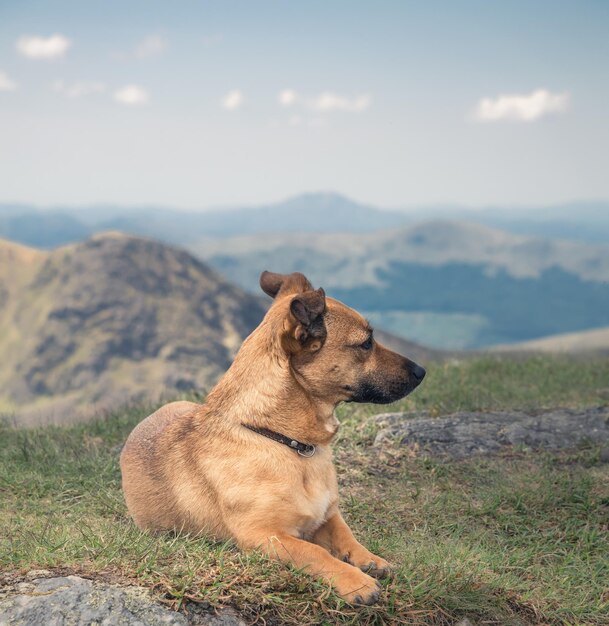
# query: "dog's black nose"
{"points": [[418, 372]]}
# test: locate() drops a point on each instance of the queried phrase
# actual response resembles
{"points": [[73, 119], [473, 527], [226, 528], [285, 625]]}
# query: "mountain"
{"points": [[578, 221], [306, 213], [595, 340], [349, 260], [313, 213], [446, 284], [96, 324]]}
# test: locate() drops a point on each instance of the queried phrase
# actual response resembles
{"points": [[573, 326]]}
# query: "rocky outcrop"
{"points": [[75, 601], [465, 434]]}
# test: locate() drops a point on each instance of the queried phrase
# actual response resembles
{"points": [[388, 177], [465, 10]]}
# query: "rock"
{"points": [[74, 601], [200, 617], [603, 456], [464, 434], [25, 587], [383, 435], [464, 622], [38, 573]]}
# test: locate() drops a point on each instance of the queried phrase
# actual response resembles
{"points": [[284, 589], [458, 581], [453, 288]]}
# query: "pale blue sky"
{"points": [[382, 104]]}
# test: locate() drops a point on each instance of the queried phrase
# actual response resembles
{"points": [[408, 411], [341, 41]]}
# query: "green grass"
{"points": [[515, 539]]}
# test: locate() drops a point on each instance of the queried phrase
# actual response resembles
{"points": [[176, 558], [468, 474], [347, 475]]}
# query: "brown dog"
{"points": [[254, 462]]}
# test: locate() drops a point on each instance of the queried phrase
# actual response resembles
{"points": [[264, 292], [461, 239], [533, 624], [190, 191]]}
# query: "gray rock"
{"points": [[464, 434], [74, 601], [200, 617]]}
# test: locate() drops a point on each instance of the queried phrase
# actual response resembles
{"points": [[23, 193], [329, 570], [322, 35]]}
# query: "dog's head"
{"points": [[332, 348]]}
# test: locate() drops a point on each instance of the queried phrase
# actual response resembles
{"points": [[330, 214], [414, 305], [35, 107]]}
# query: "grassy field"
{"points": [[521, 538]]}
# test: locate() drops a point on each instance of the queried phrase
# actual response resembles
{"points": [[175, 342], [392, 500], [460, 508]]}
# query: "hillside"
{"points": [[580, 221], [451, 285], [596, 340], [93, 325], [356, 258], [583, 220]]}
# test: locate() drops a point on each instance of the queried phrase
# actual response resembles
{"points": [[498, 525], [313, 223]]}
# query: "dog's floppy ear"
{"points": [[306, 321], [282, 284]]}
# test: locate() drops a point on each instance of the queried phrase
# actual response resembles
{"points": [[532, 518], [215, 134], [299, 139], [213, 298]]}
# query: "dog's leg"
{"points": [[350, 583], [336, 536]]}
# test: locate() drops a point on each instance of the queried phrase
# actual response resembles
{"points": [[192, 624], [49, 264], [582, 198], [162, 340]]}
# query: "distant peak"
{"points": [[111, 234], [110, 239]]}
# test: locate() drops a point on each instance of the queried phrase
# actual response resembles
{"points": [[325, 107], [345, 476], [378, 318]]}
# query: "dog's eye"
{"points": [[367, 345]]}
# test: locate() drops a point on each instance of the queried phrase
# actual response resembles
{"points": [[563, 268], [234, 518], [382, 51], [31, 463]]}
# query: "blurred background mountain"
{"points": [[311, 213], [447, 278], [116, 319], [111, 320]]}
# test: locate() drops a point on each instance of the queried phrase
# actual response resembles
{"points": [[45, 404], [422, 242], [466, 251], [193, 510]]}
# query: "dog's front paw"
{"points": [[357, 588], [368, 562]]}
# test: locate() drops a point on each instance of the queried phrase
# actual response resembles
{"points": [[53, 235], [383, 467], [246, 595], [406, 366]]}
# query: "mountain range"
{"points": [[442, 283], [323, 212], [311, 212], [457, 283], [116, 319]]}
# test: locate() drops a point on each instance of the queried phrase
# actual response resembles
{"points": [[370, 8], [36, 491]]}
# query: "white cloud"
{"points": [[53, 47], [131, 95], [6, 82], [521, 108], [79, 90], [232, 100], [325, 102], [287, 97], [150, 46]]}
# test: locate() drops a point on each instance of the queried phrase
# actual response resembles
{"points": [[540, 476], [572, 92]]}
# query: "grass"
{"points": [[515, 539]]}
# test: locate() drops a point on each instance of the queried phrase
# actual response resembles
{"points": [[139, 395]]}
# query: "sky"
{"points": [[196, 104]]}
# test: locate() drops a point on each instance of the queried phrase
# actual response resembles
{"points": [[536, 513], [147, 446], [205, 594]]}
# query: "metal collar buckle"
{"points": [[309, 452]]}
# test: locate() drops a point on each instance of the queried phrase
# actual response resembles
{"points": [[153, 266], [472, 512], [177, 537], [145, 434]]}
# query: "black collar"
{"points": [[304, 449]]}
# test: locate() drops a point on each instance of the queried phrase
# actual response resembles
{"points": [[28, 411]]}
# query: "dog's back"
{"points": [[146, 491]]}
